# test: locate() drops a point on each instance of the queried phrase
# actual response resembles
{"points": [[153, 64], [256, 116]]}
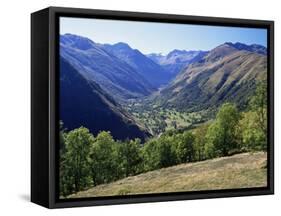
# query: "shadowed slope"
{"points": [[84, 103]]}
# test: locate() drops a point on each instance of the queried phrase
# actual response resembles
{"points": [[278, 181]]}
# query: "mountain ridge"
{"points": [[150, 70], [114, 75], [225, 74], [259, 49], [84, 103], [176, 60], [202, 79]]}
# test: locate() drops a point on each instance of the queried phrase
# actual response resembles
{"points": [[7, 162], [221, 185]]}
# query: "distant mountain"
{"points": [[150, 70], [156, 57], [176, 60], [84, 103], [114, 75], [226, 73]]}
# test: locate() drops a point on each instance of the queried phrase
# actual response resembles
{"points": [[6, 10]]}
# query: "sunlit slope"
{"points": [[238, 171]]}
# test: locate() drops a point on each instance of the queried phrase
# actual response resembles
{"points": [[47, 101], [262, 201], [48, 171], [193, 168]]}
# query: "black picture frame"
{"points": [[44, 106]]}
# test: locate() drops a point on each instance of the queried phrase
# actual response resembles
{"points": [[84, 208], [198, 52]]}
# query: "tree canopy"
{"points": [[87, 161]]}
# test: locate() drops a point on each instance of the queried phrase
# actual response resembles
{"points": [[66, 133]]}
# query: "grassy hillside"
{"points": [[226, 74], [238, 171]]}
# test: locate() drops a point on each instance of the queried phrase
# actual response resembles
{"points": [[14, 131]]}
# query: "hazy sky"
{"points": [[151, 37]]}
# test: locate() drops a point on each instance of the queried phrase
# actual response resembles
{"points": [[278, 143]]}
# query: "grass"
{"points": [[239, 171], [157, 119]]}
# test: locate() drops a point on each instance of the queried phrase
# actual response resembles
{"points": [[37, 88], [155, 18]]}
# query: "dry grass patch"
{"points": [[239, 171]]}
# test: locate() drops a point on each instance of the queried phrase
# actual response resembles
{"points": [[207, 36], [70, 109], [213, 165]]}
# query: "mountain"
{"points": [[226, 73], [150, 70], [84, 103], [156, 57], [177, 60], [114, 75], [251, 48], [77, 42]]}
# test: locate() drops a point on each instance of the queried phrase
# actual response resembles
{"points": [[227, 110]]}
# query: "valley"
{"points": [[134, 123], [157, 119], [173, 92]]}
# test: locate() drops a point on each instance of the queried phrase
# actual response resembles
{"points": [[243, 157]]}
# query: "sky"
{"points": [[162, 38]]}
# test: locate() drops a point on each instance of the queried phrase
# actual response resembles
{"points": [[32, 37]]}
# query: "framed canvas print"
{"points": [[138, 107]]}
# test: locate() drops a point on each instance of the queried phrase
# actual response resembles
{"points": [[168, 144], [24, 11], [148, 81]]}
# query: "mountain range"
{"points": [[151, 71], [121, 70], [93, 61], [96, 80], [176, 60], [256, 48], [226, 73]]}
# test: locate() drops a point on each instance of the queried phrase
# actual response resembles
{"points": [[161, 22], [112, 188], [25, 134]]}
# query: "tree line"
{"points": [[87, 160]]}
